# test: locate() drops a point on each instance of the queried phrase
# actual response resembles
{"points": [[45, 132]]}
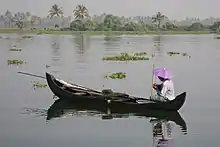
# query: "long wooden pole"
{"points": [[30, 74], [152, 82]]}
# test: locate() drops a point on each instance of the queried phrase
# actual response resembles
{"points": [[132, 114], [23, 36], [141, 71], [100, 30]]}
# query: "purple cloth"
{"points": [[162, 72]]}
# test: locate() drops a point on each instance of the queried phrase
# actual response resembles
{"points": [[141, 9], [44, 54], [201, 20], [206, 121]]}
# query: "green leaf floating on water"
{"points": [[119, 75], [39, 84], [127, 57]]}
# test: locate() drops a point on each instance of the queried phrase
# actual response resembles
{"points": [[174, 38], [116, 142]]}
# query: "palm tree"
{"points": [[8, 19], [157, 19], [80, 12], [55, 11]]}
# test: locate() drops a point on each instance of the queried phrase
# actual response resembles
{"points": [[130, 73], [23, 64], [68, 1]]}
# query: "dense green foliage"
{"points": [[113, 23], [83, 22]]}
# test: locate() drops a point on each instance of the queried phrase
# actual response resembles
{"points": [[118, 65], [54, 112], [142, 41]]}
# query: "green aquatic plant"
{"points": [[26, 37], [127, 57], [177, 53], [15, 62], [173, 53], [140, 54], [15, 49], [39, 84], [119, 75]]}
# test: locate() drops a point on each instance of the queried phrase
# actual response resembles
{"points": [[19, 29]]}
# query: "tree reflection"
{"points": [[81, 42], [56, 53], [112, 42], [158, 40], [158, 52]]}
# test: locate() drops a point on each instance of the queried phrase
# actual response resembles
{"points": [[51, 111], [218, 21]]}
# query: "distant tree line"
{"points": [[113, 23], [83, 22]]}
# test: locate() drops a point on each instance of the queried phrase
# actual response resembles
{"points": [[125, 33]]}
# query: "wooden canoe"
{"points": [[73, 92]]}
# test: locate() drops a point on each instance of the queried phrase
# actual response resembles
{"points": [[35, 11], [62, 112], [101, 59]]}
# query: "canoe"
{"points": [[73, 92], [61, 108]]}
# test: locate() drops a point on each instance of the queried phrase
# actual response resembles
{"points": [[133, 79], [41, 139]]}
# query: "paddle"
{"points": [[30, 74], [152, 81]]}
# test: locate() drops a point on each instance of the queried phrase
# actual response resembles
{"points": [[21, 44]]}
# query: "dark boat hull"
{"points": [[123, 101]]}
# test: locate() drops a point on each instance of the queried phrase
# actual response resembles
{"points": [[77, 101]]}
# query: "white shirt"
{"points": [[168, 90]]}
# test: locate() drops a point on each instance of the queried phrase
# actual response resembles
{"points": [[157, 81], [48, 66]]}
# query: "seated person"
{"points": [[165, 90]]}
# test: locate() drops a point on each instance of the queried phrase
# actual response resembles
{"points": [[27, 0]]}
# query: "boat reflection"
{"points": [[161, 120], [62, 108], [162, 131]]}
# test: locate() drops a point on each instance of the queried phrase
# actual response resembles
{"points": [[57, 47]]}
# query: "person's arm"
{"points": [[163, 91], [157, 86]]}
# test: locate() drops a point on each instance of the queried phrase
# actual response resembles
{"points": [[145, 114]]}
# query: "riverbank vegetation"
{"points": [[106, 24], [96, 33]]}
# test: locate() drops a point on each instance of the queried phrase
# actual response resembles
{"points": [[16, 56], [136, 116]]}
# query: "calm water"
{"points": [[23, 110]]}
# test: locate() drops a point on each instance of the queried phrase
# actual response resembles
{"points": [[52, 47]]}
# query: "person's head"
{"points": [[161, 79]]}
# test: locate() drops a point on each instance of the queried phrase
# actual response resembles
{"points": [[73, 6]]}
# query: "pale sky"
{"points": [[174, 9]]}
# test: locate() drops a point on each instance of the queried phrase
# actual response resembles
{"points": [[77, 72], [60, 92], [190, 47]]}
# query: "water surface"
{"points": [[23, 110]]}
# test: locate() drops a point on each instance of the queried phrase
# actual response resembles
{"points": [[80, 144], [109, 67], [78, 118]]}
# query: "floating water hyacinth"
{"points": [[127, 57], [173, 53], [26, 37], [119, 75], [39, 84], [15, 49], [140, 54], [177, 53], [15, 62]]}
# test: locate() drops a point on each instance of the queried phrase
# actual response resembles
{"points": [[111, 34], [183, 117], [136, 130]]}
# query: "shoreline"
{"points": [[98, 33]]}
